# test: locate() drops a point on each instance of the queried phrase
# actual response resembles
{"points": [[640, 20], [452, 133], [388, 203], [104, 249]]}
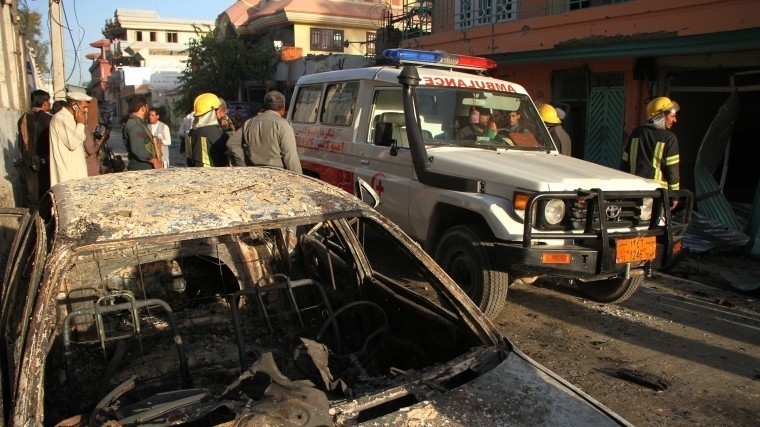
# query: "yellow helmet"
{"points": [[548, 114], [204, 103], [660, 105]]}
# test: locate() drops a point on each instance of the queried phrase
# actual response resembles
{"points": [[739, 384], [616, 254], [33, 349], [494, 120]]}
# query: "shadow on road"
{"points": [[628, 322]]}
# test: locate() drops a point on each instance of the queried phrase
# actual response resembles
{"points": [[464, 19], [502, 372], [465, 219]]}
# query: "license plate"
{"points": [[636, 249]]}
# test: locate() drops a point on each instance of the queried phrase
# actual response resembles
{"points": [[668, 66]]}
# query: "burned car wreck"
{"points": [[248, 296]]}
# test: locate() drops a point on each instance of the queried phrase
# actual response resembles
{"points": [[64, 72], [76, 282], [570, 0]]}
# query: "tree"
{"points": [[29, 26], [222, 66]]}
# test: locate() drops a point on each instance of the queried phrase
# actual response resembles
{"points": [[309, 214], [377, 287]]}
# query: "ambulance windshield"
{"points": [[480, 117], [466, 117]]}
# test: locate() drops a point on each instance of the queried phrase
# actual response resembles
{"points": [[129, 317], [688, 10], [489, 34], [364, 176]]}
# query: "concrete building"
{"points": [[603, 59], [145, 55], [311, 35]]}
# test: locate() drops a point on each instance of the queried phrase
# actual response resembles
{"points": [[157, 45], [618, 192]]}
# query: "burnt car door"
{"points": [[13, 223], [23, 270]]}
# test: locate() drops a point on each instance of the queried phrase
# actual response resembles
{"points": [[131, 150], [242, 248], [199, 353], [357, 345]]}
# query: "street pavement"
{"points": [[116, 143]]}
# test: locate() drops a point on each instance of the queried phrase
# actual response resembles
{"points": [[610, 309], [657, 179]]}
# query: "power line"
{"points": [[73, 42]]}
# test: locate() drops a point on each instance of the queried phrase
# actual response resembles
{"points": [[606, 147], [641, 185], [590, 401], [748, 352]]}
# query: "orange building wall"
{"points": [[536, 79], [635, 18], [681, 17]]}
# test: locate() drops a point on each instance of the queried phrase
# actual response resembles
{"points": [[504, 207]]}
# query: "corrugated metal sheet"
{"points": [[712, 153], [712, 150], [710, 199], [754, 224], [706, 234]]}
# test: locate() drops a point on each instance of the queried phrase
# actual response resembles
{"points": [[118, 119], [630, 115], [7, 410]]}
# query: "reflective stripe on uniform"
{"points": [[203, 146], [672, 160], [634, 154], [659, 149]]}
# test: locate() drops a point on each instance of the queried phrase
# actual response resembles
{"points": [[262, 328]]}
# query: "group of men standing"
{"points": [[209, 138], [266, 139], [56, 147]]}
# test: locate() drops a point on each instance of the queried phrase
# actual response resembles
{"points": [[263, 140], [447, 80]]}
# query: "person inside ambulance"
{"points": [[509, 122], [478, 128]]}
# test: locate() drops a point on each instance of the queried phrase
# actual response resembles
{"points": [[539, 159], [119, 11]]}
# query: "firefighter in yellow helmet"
{"points": [[206, 141], [652, 149], [554, 124]]}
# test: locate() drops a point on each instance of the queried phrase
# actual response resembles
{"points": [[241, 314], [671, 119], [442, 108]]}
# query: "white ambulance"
{"points": [[463, 163]]}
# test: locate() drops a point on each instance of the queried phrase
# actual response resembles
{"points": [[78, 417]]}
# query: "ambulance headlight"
{"points": [[554, 211]]}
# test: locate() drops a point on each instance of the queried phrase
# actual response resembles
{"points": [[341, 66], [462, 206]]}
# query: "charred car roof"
{"points": [[189, 200]]}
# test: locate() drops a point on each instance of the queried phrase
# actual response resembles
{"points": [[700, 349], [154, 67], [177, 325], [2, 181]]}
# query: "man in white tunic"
{"points": [[160, 133], [67, 134]]}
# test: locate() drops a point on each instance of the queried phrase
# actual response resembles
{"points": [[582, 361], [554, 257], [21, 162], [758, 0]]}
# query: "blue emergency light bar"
{"points": [[422, 57]]}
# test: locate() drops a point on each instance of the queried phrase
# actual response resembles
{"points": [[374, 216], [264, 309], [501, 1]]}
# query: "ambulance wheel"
{"points": [[614, 290], [466, 253]]}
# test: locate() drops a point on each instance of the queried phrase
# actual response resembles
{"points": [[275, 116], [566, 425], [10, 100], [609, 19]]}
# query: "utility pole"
{"points": [[56, 50]]}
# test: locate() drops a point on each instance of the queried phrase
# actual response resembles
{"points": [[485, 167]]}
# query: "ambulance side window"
{"points": [[340, 101], [387, 111], [307, 104]]}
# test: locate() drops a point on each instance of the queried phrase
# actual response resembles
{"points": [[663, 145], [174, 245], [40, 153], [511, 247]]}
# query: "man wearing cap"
{"points": [[67, 134]]}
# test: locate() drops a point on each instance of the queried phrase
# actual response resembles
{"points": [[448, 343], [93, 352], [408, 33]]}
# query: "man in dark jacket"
{"points": [[268, 138], [34, 132], [141, 148]]}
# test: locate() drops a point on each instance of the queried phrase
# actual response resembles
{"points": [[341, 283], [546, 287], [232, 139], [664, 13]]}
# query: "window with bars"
{"points": [[171, 37], [481, 12], [327, 40], [152, 36], [583, 4], [138, 36], [370, 44]]}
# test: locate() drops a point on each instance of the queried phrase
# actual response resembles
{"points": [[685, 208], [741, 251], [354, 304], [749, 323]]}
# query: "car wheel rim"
{"points": [[461, 272]]}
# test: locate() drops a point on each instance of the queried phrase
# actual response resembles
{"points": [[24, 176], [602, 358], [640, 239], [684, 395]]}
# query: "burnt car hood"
{"points": [[516, 392]]}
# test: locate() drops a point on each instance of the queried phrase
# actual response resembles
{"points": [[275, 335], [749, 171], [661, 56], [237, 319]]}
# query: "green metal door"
{"points": [[604, 125]]}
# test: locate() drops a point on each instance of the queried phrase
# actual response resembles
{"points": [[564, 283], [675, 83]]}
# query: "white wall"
{"points": [[13, 96]]}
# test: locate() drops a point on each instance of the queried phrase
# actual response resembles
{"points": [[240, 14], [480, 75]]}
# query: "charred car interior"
{"points": [[273, 299], [142, 322]]}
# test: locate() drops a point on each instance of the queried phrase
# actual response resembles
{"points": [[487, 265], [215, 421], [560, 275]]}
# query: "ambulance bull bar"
{"points": [[667, 227]]}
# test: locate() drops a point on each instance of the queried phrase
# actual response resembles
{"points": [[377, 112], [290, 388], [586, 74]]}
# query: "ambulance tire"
{"points": [[614, 290], [465, 253]]}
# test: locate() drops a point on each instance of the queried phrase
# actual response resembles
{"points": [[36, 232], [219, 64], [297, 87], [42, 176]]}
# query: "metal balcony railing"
{"points": [[424, 17]]}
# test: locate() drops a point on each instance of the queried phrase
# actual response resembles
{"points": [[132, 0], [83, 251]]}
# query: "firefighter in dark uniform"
{"points": [[652, 149], [207, 142]]}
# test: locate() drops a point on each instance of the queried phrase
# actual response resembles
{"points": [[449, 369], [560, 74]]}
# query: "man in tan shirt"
{"points": [[269, 138], [67, 134]]}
